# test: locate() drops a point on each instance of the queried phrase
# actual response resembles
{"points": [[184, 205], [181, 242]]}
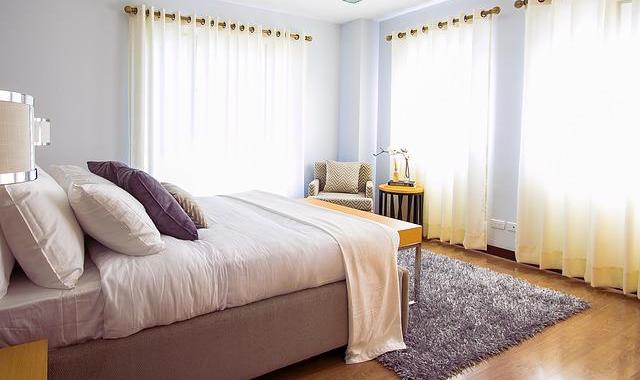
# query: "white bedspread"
{"points": [[251, 253], [369, 252]]}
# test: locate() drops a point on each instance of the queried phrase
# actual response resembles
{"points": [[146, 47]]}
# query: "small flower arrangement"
{"points": [[393, 152]]}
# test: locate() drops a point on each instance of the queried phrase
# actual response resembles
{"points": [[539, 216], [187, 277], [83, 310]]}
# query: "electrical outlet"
{"points": [[512, 227], [497, 224]]}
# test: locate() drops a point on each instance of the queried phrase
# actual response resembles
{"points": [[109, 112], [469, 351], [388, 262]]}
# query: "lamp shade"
{"points": [[17, 162], [41, 131]]}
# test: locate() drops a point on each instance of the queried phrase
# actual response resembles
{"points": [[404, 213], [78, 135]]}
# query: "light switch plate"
{"points": [[497, 224]]}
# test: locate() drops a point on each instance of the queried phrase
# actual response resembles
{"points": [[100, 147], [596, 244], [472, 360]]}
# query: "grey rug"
{"points": [[468, 314]]}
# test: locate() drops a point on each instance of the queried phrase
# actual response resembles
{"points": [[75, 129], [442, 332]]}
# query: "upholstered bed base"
{"points": [[237, 343]]}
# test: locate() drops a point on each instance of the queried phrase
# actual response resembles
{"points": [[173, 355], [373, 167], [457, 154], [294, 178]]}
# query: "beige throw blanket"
{"points": [[369, 252]]}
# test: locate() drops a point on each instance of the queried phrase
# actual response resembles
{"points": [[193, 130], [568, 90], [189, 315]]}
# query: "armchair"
{"points": [[363, 200]]}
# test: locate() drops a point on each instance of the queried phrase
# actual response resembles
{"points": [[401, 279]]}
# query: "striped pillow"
{"points": [[342, 177], [188, 204]]}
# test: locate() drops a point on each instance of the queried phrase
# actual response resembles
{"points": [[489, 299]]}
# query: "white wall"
{"points": [[350, 51], [71, 55], [358, 90], [508, 57]]}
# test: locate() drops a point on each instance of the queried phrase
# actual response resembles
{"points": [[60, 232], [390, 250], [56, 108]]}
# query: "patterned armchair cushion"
{"points": [[342, 177], [320, 173], [369, 189], [358, 201], [366, 175], [314, 187]]}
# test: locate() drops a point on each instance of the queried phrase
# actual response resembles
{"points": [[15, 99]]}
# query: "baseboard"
{"points": [[511, 255], [501, 252], [491, 250]]}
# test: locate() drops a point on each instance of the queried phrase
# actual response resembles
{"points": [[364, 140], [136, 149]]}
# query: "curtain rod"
{"points": [[523, 3], [131, 10], [444, 24]]}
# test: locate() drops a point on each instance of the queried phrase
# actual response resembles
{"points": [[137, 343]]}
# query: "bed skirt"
{"points": [[238, 343]]}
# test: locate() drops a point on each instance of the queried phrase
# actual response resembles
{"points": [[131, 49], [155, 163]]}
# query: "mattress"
{"points": [[29, 312]]}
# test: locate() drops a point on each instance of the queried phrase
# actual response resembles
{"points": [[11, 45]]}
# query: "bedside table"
{"points": [[415, 199], [26, 361]]}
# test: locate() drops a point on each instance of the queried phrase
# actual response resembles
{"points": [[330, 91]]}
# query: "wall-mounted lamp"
{"points": [[17, 162], [41, 131]]}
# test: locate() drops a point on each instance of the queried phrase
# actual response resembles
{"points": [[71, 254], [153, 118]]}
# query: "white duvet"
{"points": [[259, 246]]}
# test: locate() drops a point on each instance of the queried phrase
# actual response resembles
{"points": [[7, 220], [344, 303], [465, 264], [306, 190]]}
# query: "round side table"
{"points": [[387, 205]]}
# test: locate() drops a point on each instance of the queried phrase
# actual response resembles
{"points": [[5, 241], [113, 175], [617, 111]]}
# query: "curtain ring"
{"points": [[252, 29]]}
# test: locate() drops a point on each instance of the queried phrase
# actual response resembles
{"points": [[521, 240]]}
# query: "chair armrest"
{"points": [[369, 189], [314, 187]]}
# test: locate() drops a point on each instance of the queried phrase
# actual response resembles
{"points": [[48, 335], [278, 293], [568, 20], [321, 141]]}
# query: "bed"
{"points": [[258, 291]]}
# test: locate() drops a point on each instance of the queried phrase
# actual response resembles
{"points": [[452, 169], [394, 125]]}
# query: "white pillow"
{"points": [[115, 218], [42, 232], [67, 175], [6, 265]]}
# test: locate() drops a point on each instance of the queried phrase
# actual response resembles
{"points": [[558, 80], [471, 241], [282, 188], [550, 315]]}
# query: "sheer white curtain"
{"points": [[440, 112], [579, 192], [216, 110]]}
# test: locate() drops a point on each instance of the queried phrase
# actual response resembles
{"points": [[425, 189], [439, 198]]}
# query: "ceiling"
{"points": [[337, 11]]}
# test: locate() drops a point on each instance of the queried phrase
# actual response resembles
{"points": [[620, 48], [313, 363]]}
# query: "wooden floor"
{"points": [[601, 343]]}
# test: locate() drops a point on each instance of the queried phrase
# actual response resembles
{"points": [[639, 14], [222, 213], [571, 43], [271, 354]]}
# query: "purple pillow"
{"points": [[106, 169], [163, 209]]}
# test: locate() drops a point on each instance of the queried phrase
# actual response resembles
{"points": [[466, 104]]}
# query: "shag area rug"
{"points": [[468, 314]]}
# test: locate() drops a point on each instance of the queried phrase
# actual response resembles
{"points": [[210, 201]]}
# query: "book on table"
{"points": [[405, 183]]}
